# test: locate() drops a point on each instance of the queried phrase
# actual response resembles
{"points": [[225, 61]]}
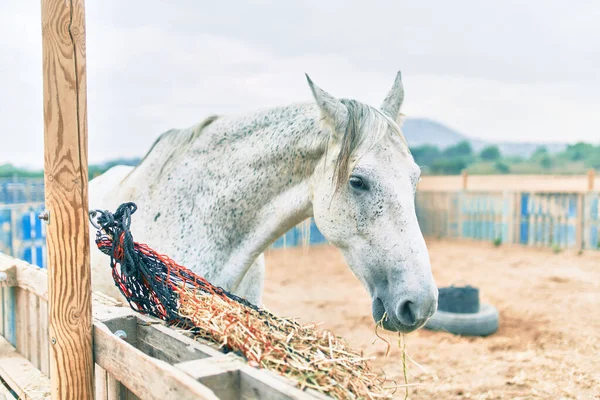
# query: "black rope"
{"points": [[144, 279]]}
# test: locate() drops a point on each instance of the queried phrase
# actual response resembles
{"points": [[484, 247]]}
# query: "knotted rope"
{"points": [[151, 282]]}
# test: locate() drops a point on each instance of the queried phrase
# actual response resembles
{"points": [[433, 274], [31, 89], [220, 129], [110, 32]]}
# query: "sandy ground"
{"points": [[548, 344]]}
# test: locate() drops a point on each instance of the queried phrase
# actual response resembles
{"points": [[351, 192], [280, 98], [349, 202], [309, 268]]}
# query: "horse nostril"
{"points": [[406, 313]]}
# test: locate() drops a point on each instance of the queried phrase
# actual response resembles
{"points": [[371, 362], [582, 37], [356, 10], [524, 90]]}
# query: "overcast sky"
{"points": [[505, 70]]}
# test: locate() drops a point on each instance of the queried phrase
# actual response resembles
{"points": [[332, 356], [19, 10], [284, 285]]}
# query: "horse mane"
{"points": [[361, 119], [364, 123], [183, 138]]}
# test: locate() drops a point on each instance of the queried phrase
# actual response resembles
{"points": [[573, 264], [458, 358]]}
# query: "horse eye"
{"points": [[357, 183]]}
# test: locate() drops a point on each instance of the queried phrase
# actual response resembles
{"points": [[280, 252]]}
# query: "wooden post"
{"points": [[66, 195], [580, 223], [465, 176], [518, 216], [591, 179]]}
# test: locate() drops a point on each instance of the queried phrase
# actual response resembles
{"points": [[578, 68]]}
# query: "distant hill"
{"points": [[420, 131]]}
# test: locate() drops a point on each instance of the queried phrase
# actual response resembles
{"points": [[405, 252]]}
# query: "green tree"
{"points": [[579, 151], [545, 161], [502, 167], [490, 153], [425, 154], [449, 166], [539, 153], [461, 149]]}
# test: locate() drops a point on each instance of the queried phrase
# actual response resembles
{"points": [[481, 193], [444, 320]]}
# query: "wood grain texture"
{"points": [[28, 277], [66, 177], [21, 375], [22, 321], [146, 377], [44, 338]]}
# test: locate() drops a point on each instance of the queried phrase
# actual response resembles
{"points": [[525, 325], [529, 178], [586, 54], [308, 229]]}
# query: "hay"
{"points": [[154, 284], [315, 359]]}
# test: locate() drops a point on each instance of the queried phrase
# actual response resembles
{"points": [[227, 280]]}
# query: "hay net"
{"points": [[155, 285], [151, 282]]}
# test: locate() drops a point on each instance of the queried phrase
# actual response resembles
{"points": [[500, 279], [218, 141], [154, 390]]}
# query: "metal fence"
{"points": [[559, 220], [23, 235]]}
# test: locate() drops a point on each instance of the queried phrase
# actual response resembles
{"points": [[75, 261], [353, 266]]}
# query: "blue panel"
{"points": [[5, 232], [572, 206], [316, 237], [39, 254], [10, 332], [26, 226], [27, 255], [38, 225], [524, 218], [278, 243]]}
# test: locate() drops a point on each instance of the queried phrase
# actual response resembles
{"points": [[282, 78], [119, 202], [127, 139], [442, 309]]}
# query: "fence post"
{"points": [[580, 223], [66, 195], [582, 211], [517, 217]]}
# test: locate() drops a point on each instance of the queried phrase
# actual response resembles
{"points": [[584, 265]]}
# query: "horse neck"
{"points": [[241, 182], [264, 164]]}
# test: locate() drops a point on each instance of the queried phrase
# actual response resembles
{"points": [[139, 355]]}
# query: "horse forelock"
{"points": [[365, 123]]}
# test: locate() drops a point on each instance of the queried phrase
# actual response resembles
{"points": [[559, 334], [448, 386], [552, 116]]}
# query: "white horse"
{"points": [[214, 196]]}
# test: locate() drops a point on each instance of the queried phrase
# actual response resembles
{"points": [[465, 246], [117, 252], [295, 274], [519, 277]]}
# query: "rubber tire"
{"points": [[462, 300], [483, 323]]}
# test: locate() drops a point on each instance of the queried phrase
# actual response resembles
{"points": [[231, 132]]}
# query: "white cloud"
{"points": [[506, 112], [508, 71]]}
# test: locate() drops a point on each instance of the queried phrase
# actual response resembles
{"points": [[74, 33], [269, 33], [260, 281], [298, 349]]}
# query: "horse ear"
{"points": [[332, 109], [393, 101]]}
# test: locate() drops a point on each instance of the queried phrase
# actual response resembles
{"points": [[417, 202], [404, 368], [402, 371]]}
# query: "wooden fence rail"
{"points": [[559, 220], [135, 356]]}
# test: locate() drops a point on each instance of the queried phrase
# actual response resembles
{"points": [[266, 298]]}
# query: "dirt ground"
{"points": [[547, 346]]}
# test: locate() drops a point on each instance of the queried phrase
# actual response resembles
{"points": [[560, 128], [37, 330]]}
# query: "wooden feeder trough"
{"points": [[135, 356]]}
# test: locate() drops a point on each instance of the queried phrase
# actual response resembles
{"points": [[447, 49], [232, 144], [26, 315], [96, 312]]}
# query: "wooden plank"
{"points": [[28, 277], [579, 222], [3, 311], [22, 321], [271, 387], [114, 389], [66, 198], [6, 394], [165, 344], [21, 375], [108, 388], [231, 378], [8, 276], [34, 329], [100, 384], [518, 216], [9, 317], [44, 339], [146, 377], [220, 374]]}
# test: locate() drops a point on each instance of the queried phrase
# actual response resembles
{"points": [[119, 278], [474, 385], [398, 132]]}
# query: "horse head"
{"points": [[363, 197]]}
